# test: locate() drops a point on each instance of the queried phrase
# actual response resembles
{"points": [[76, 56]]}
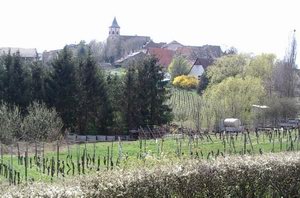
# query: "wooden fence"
{"points": [[96, 138]]}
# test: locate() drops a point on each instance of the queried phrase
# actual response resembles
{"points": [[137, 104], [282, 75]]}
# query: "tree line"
{"points": [[88, 99], [260, 90], [235, 82]]}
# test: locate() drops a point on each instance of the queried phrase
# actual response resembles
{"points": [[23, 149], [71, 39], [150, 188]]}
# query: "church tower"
{"points": [[114, 29]]}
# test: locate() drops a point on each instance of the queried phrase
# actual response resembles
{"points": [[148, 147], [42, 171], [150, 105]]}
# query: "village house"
{"points": [[174, 45], [25, 53], [163, 55], [124, 50], [199, 67], [135, 47]]}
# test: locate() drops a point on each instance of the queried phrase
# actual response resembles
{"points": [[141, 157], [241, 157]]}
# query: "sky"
{"points": [[252, 26]]}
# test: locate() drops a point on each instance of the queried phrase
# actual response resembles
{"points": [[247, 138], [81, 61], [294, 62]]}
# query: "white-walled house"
{"points": [[199, 67]]}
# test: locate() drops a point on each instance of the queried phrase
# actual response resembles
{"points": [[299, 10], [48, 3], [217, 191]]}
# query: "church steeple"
{"points": [[114, 29]]}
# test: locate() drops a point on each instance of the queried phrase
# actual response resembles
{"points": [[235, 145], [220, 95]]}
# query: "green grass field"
{"points": [[126, 155]]}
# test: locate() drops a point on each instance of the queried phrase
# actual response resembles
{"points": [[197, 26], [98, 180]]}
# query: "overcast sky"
{"points": [[249, 25]]}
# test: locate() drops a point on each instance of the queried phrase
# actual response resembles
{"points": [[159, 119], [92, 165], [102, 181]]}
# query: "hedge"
{"points": [[268, 175]]}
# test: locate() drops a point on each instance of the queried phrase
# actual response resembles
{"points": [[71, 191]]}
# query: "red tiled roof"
{"points": [[163, 55]]}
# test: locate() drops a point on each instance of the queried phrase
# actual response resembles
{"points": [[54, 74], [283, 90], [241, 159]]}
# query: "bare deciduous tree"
{"points": [[285, 72], [97, 49]]}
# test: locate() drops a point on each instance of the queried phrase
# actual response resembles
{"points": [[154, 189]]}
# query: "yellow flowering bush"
{"points": [[185, 82]]}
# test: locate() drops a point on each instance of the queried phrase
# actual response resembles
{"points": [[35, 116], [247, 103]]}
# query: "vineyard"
{"points": [[186, 106], [23, 163], [188, 153], [268, 175]]}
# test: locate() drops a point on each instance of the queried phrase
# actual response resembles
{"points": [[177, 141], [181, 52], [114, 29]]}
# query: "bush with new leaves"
{"points": [[41, 123], [179, 66], [185, 82], [10, 123], [267, 175]]}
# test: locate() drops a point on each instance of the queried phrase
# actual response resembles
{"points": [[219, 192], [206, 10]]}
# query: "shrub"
{"points": [[281, 109], [179, 66], [185, 82], [10, 123], [42, 123], [270, 175], [273, 175]]}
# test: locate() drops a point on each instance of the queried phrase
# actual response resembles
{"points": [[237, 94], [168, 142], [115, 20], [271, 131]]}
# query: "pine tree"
{"points": [[38, 81], [95, 114], [129, 100], [17, 82], [153, 94], [146, 95], [115, 87], [3, 76], [63, 88]]}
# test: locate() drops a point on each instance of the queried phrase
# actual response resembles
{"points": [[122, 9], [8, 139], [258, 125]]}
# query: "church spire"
{"points": [[115, 23], [114, 29]]}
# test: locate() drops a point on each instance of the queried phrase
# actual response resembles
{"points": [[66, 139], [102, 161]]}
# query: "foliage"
{"points": [[145, 95], [186, 144], [268, 175], [185, 82], [97, 49], [232, 100], [38, 81], [87, 99], [41, 123], [130, 99], [234, 97], [2, 77], [94, 108], [115, 88], [152, 93], [10, 123], [285, 73], [203, 83], [262, 66], [227, 66], [281, 109], [63, 88], [179, 66], [16, 81], [257, 176], [231, 51]]}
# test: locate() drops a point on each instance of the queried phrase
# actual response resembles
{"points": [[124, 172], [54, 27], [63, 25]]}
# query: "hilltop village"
{"points": [[122, 50], [129, 103]]}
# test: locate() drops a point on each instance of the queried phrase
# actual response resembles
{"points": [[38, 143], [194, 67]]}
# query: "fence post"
{"points": [[120, 148], [11, 164], [35, 152], [19, 156], [43, 156], [57, 158], [1, 153], [26, 162]]}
